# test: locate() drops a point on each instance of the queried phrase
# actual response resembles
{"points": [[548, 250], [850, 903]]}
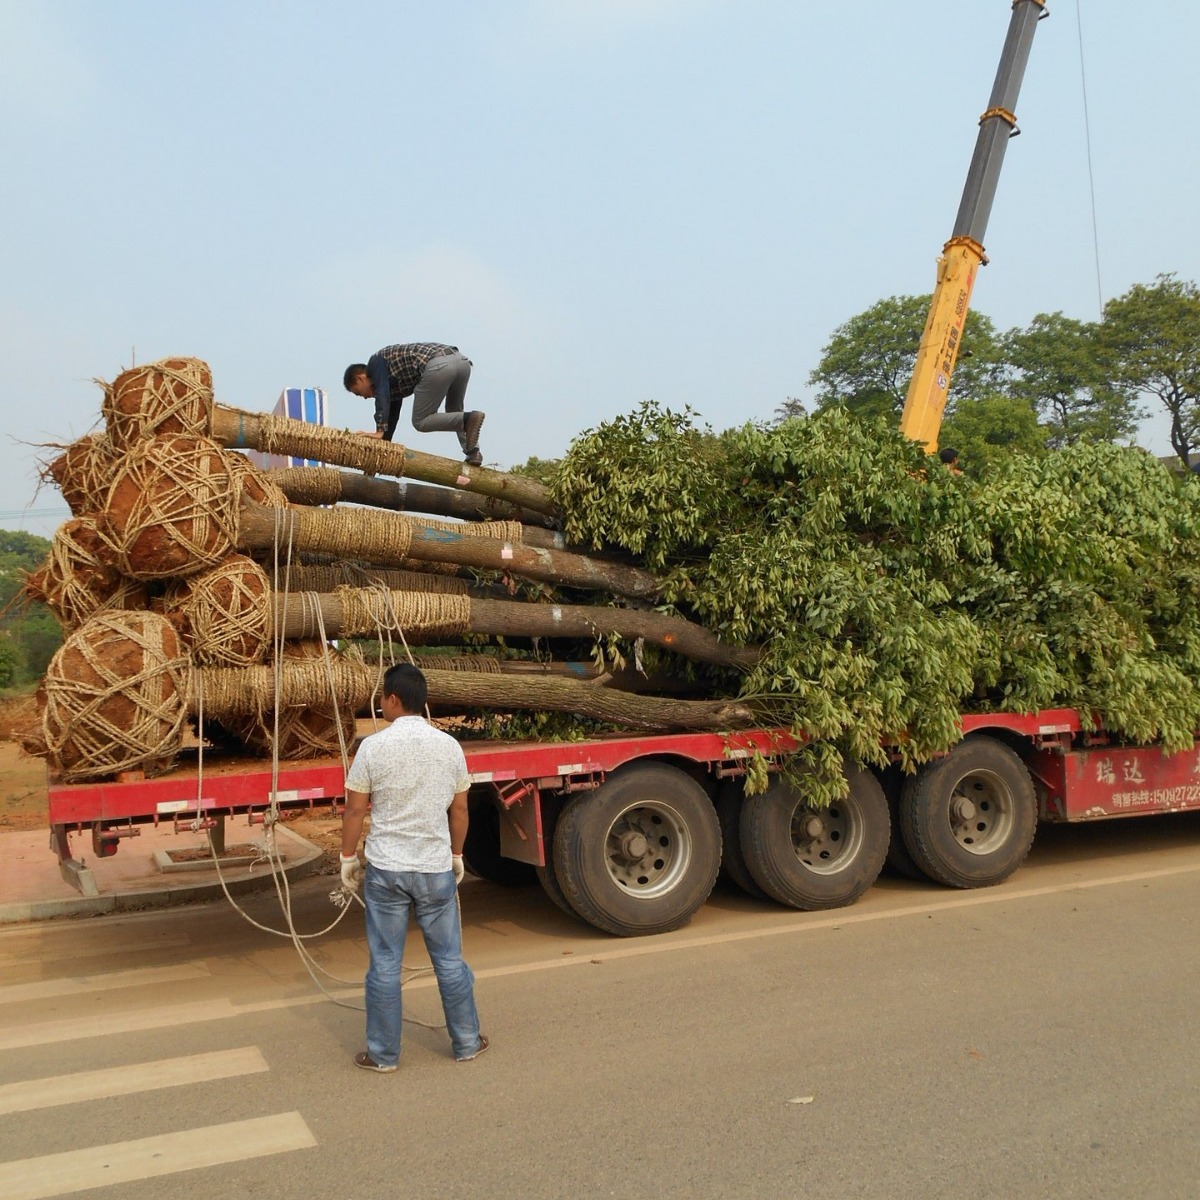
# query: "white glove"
{"points": [[352, 872], [456, 862]]}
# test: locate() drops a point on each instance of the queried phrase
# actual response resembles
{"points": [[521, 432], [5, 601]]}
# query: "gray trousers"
{"points": [[444, 379]]}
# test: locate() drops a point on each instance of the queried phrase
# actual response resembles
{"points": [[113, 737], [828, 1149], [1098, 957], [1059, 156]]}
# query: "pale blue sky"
{"points": [[600, 201]]}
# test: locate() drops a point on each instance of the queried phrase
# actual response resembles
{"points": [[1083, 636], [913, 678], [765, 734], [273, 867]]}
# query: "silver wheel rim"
{"points": [[647, 849], [981, 812], [827, 840]]}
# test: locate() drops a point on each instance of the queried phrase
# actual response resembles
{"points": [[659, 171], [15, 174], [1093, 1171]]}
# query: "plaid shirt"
{"points": [[396, 370]]}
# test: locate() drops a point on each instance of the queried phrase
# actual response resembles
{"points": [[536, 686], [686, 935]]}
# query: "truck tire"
{"points": [[730, 796], [481, 850], [641, 853], [898, 858], [547, 876], [968, 819], [810, 857]]}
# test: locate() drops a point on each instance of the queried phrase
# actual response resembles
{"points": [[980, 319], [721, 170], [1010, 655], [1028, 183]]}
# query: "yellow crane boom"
{"points": [[963, 254]]}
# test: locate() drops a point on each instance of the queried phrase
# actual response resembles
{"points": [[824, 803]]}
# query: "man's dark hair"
{"points": [[407, 684], [353, 371], [948, 455]]}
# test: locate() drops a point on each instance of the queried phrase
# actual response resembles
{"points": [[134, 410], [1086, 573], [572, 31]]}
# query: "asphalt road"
{"points": [[1039, 1039]]}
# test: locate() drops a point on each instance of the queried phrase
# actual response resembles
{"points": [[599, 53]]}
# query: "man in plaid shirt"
{"points": [[432, 373]]}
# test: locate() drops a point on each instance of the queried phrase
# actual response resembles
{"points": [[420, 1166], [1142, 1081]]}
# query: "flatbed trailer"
{"points": [[628, 832]]}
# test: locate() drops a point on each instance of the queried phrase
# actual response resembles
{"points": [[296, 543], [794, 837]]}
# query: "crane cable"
{"points": [[1087, 132]]}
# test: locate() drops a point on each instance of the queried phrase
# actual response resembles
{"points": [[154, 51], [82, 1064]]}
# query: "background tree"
{"points": [[990, 429], [868, 361], [29, 634], [1150, 343], [1056, 366]]}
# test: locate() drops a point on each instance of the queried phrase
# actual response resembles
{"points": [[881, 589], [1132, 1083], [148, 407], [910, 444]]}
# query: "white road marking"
{"points": [[608, 951], [146, 1158], [124, 1081], [45, 989], [136, 1021]]}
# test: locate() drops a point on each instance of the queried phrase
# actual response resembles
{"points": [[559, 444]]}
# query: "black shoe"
{"points": [[472, 424], [475, 458]]}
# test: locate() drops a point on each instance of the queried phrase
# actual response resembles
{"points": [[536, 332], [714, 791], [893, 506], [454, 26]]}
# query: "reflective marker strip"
{"points": [[146, 1158], [124, 1081]]}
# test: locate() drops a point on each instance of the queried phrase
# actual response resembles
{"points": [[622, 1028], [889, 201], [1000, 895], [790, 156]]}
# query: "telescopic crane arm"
{"points": [[963, 254]]}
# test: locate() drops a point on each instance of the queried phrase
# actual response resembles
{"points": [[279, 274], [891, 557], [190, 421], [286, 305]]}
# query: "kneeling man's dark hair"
{"points": [[353, 371], [407, 684]]}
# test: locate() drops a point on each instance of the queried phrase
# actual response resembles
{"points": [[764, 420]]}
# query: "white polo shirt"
{"points": [[412, 772]]}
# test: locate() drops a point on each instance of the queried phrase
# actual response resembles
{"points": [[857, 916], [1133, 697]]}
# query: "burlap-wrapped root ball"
{"points": [[172, 395], [256, 484], [79, 578], [172, 508], [116, 697], [224, 613], [306, 731], [83, 472]]}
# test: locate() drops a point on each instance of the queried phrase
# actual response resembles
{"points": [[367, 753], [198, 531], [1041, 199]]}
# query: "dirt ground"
{"points": [[23, 791]]}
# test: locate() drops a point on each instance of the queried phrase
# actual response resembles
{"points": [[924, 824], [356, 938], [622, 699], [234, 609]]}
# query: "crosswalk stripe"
{"points": [[136, 1021], [145, 1158], [46, 989], [125, 1080]]}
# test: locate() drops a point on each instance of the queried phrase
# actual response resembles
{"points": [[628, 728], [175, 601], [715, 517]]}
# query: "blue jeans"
{"points": [[388, 896]]}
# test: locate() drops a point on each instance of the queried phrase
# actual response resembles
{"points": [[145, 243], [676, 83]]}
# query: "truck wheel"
{"points": [[639, 854], [809, 857], [730, 797], [968, 820], [481, 850], [898, 857], [547, 876]]}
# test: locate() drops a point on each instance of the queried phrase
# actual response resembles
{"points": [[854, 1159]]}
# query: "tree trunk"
{"points": [[513, 618], [243, 691], [388, 538], [325, 485], [239, 430]]}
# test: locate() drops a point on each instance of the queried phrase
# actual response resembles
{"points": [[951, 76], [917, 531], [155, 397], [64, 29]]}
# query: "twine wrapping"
{"points": [[368, 534], [329, 577], [370, 610], [78, 578], [226, 613], [83, 472], [170, 396], [116, 697], [172, 508], [314, 485], [306, 729], [285, 436], [502, 531], [255, 483], [479, 664]]}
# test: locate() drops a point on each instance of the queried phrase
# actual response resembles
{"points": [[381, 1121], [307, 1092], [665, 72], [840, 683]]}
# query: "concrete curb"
{"points": [[303, 863]]}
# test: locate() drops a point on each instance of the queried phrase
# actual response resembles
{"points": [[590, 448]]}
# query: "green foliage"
{"points": [[1150, 346], [889, 595], [1058, 369], [868, 361], [991, 429], [29, 632], [541, 469]]}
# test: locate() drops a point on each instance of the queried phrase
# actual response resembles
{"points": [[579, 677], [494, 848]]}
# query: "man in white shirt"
{"points": [[413, 779]]}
